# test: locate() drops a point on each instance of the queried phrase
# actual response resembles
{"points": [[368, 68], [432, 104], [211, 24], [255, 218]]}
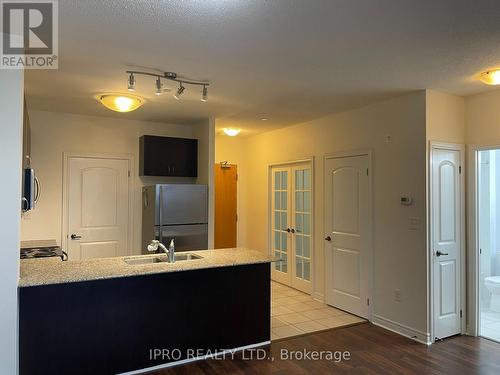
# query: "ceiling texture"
{"points": [[287, 60]]}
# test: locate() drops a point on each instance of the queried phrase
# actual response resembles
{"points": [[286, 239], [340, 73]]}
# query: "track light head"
{"points": [[159, 86], [204, 94], [131, 82], [179, 92]]}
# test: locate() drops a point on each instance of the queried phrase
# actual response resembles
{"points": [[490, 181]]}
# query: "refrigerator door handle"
{"points": [[145, 197]]}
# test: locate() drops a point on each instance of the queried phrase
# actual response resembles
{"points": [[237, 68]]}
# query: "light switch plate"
{"points": [[414, 223]]}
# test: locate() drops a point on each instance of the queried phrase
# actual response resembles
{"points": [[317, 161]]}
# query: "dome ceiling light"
{"points": [[490, 77], [121, 102], [232, 132]]}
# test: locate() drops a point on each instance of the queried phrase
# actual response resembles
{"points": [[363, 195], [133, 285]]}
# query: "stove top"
{"points": [[43, 252]]}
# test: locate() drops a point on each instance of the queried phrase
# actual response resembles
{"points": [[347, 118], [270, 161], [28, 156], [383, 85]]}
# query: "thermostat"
{"points": [[406, 200]]}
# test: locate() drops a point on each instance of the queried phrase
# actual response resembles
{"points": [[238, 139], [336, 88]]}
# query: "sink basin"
{"points": [[146, 260], [181, 257], [161, 259]]}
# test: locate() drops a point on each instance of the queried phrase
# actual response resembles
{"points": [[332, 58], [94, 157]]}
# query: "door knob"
{"points": [[439, 253], [293, 230], [75, 236], [328, 238], [288, 230]]}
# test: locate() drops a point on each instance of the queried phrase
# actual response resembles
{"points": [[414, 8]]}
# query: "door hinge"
{"points": [[480, 251], [129, 173], [460, 169], [460, 314], [236, 177], [368, 301], [367, 172]]}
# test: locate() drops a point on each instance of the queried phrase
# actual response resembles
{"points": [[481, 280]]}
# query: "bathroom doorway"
{"points": [[488, 236]]}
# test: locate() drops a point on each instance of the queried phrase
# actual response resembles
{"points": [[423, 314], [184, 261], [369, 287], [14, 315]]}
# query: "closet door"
{"points": [[280, 224], [301, 228]]}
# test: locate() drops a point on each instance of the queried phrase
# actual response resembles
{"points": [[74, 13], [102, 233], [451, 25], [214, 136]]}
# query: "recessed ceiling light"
{"points": [[231, 131], [121, 103], [490, 77], [264, 119]]}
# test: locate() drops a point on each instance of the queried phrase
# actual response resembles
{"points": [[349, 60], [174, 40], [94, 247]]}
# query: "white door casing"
{"points": [[348, 258], [98, 207], [446, 225]]}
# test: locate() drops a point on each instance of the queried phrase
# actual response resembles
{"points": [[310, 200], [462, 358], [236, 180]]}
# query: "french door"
{"points": [[291, 225]]}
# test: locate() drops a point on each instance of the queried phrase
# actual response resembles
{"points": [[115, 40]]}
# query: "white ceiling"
{"points": [[288, 60]]}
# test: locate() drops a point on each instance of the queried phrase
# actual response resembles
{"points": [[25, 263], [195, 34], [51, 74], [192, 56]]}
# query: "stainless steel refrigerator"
{"points": [[178, 211]]}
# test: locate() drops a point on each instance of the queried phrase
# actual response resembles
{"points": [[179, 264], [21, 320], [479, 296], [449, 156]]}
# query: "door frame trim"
{"points": [[473, 238], [65, 196], [433, 145], [310, 161], [371, 255]]}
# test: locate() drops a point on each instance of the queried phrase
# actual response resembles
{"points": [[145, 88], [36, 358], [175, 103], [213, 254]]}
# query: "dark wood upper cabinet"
{"points": [[166, 156]]}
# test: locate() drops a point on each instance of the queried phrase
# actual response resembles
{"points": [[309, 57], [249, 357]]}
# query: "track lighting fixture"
{"points": [[171, 76], [159, 86], [204, 94], [131, 82], [179, 92]]}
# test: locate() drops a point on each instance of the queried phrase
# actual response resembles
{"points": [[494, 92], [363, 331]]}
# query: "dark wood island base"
{"points": [[127, 324]]}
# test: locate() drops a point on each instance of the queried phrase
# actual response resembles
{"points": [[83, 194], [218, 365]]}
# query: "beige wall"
{"points": [[483, 119], [232, 150], [445, 115], [56, 133], [399, 168]]}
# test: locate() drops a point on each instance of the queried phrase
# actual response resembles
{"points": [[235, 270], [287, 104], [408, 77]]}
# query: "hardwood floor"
{"points": [[373, 351]]}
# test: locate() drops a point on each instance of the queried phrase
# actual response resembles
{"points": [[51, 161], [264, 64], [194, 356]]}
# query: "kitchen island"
{"points": [[106, 316]]}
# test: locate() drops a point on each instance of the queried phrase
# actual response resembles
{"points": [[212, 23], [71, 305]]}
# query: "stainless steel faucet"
{"points": [[155, 244]]}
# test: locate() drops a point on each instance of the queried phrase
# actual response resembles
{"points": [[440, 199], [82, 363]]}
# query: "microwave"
{"points": [[31, 190]]}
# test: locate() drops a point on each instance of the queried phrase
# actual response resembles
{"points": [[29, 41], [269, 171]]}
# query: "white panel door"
{"points": [[98, 207], [347, 237], [446, 241]]}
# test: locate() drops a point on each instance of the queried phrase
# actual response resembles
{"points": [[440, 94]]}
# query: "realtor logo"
{"points": [[29, 34]]}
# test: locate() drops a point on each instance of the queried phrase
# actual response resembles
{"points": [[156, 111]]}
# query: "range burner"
{"points": [[43, 252]]}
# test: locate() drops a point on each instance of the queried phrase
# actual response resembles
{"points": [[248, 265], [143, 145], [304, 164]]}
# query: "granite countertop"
{"points": [[54, 271]]}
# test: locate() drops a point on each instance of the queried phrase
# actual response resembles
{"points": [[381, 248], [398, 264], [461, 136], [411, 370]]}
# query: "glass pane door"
{"points": [[280, 223], [302, 225], [291, 225]]}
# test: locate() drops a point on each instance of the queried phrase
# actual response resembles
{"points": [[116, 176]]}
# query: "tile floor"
{"points": [[295, 313], [490, 325]]}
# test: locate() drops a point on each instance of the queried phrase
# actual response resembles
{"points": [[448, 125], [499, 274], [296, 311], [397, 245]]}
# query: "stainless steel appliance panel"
{"points": [[186, 237], [183, 204]]}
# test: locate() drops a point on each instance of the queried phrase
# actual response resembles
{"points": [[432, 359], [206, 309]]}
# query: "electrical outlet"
{"points": [[397, 295]]}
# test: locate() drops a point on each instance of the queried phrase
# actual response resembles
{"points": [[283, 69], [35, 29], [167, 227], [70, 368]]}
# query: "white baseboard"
{"points": [[320, 297], [189, 360], [401, 329]]}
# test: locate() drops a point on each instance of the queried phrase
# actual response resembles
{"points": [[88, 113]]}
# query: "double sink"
{"points": [[161, 259]]}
